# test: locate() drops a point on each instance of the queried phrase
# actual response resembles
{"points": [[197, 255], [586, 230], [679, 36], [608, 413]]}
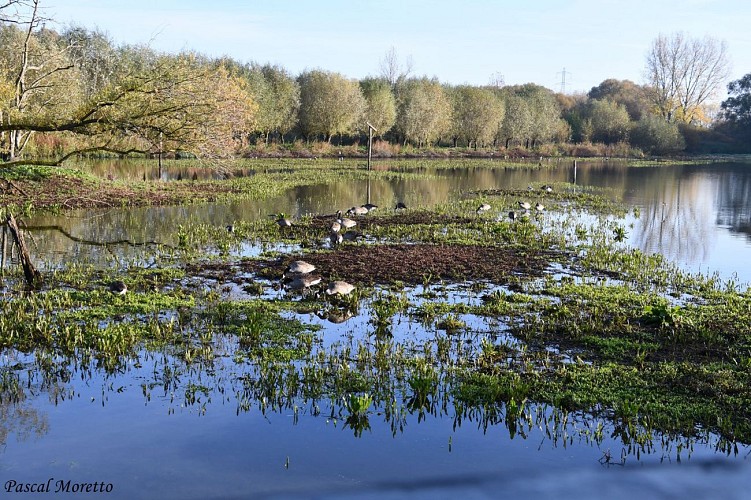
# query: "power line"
{"points": [[563, 79]]}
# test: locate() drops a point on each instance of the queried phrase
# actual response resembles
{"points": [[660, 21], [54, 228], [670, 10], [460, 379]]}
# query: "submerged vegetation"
{"points": [[542, 321]]}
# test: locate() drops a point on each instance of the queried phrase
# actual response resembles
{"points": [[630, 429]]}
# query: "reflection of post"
{"points": [[371, 129], [574, 171]]}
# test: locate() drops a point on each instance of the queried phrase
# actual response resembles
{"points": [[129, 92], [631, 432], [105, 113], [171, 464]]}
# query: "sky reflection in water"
{"points": [[108, 430]]}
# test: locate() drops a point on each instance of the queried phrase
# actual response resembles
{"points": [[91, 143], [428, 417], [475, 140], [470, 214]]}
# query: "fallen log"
{"points": [[32, 275]]}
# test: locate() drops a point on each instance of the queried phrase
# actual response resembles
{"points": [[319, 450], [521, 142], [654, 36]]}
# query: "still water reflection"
{"points": [[156, 426], [697, 216]]}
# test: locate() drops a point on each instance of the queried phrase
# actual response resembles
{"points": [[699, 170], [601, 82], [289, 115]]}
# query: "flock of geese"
{"points": [[299, 274], [525, 206]]}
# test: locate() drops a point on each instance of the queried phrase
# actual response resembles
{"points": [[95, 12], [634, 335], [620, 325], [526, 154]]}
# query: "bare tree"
{"points": [[38, 69], [10, 10], [497, 80], [683, 73], [394, 71]]}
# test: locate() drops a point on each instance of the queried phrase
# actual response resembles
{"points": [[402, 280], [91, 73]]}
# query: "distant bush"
{"points": [[657, 136]]}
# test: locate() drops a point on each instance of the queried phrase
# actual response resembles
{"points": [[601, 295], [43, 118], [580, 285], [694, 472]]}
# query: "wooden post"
{"points": [[574, 171], [2, 260], [371, 129], [33, 277], [159, 157]]}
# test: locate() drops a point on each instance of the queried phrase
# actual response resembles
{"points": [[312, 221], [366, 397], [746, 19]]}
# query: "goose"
{"points": [[335, 226], [339, 288], [230, 228], [357, 211], [345, 222], [547, 188], [370, 207], [525, 205], [281, 220], [118, 287], [512, 215], [482, 208], [301, 267], [400, 206], [335, 237], [539, 207], [352, 235], [303, 282]]}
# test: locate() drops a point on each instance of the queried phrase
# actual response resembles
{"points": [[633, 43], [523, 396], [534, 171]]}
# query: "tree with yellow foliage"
{"points": [[148, 103]]}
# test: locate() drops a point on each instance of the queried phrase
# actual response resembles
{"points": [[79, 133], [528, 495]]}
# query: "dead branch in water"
{"points": [[33, 276]]}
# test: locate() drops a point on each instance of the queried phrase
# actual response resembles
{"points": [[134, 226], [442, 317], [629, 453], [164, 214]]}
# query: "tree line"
{"points": [[74, 91]]}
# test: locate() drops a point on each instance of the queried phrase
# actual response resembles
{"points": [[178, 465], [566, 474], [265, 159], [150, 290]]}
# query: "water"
{"points": [[697, 216], [138, 430]]}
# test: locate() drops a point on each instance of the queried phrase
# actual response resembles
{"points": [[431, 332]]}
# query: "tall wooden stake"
{"points": [[371, 129]]}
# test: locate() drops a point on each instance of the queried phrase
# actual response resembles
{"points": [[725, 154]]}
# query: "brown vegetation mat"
{"points": [[73, 192], [386, 264]]}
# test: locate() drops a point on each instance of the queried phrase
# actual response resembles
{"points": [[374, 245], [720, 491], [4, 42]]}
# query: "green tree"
{"points": [[329, 104], [737, 107], [625, 92], [517, 121], [575, 113], [277, 95], [286, 98], [95, 56], [144, 102], [380, 110], [610, 121], [477, 113], [654, 135], [423, 111], [544, 112]]}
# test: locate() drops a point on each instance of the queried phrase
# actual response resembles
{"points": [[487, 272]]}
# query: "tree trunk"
{"points": [[33, 277]]}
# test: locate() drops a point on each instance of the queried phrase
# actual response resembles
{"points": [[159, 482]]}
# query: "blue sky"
{"points": [[458, 42]]}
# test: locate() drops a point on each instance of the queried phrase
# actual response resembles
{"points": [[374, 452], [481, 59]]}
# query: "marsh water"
{"points": [[698, 216], [161, 428]]}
